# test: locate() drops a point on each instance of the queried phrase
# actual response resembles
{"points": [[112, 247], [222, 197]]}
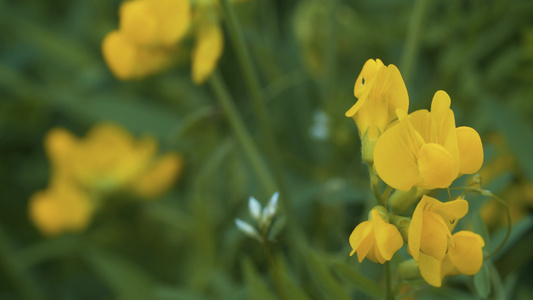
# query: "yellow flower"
{"points": [[464, 257], [129, 61], [207, 51], [431, 226], [60, 208], [157, 179], [155, 22], [380, 91], [375, 239], [424, 149], [108, 159]]}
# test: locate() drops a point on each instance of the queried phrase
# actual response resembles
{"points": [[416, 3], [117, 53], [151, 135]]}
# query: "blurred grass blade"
{"points": [[256, 288], [519, 229], [126, 280], [362, 283], [324, 279], [482, 281]]}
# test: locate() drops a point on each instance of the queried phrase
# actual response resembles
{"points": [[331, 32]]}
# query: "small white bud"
{"points": [[270, 210], [247, 229], [255, 208]]}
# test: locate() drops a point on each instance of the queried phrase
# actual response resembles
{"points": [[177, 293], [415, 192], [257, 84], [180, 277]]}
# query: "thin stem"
{"points": [[242, 134], [374, 184], [386, 194], [273, 267], [389, 295], [412, 43], [252, 82], [14, 271]]}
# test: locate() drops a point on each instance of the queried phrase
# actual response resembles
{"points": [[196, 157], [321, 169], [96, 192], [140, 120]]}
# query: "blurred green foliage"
{"points": [[307, 54]]}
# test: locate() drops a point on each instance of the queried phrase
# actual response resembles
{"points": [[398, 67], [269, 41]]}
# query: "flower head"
{"points": [[207, 51], [375, 239], [464, 257], [431, 226], [426, 150], [380, 91]]}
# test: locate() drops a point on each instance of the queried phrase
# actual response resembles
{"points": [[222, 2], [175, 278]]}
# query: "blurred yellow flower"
{"points": [[60, 208], [375, 239], [464, 257], [431, 226], [426, 150], [380, 91], [110, 159], [150, 32]]}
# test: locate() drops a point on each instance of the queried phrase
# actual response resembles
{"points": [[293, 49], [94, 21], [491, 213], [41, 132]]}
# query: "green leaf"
{"points": [[482, 281]]}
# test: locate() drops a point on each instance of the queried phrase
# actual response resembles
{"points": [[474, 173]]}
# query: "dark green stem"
{"points": [[412, 43], [389, 295], [252, 82], [242, 134]]}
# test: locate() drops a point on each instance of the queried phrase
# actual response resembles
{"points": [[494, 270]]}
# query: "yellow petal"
{"points": [[470, 150], [139, 22], [415, 227], [370, 68], [60, 208], [59, 143], [434, 237], [430, 269], [395, 155], [360, 232], [174, 18], [388, 240], [467, 255], [436, 166], [206, 52], [120, 55], [443, 126], [451, 211], [160, 177]]}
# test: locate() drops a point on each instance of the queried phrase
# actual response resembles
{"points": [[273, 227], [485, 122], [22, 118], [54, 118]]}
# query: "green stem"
{"points": [[14, 271], [374, 184], [273, 267], [389, 295], [252, 82], [242, 134], [387, 193], [412, 43]]}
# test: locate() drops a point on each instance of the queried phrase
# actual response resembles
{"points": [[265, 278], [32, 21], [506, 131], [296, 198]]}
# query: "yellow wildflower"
{"points": [[60, 208], [380, 91], [155, 22], [431, 226], [110, 159], [375, 239], [464, 257], [424, 149]]}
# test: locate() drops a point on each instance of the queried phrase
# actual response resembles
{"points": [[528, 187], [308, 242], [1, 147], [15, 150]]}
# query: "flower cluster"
{"points": [[414, 153], [84, 171], [152, 32]]}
